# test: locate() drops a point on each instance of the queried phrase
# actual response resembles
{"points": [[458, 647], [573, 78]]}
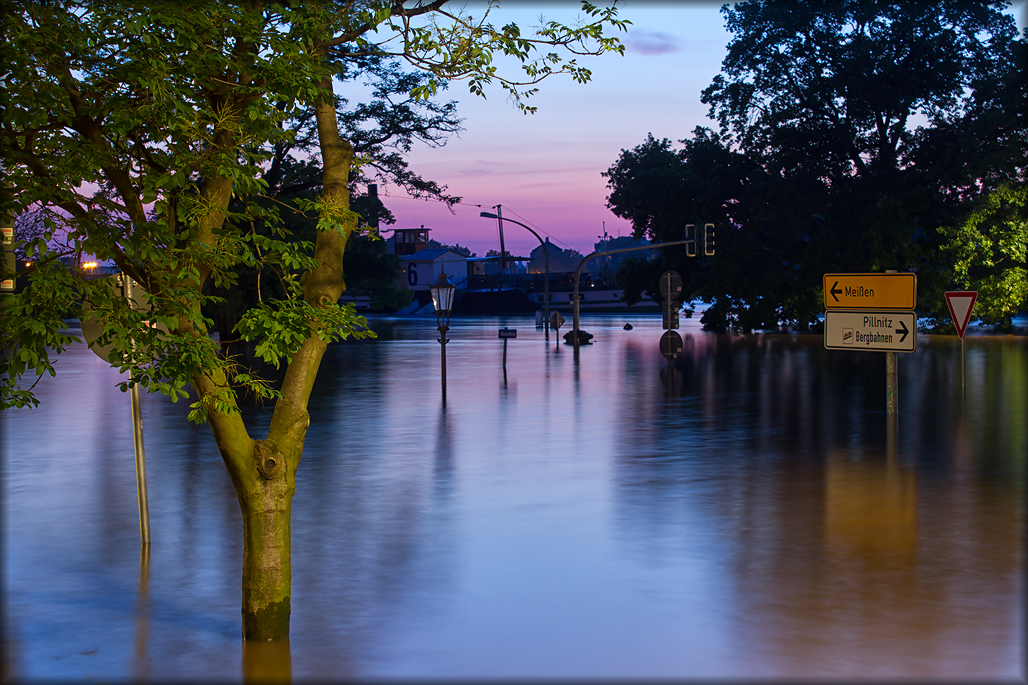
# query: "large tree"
{"points": [[382, 120], [146, 135], [850, 132]]}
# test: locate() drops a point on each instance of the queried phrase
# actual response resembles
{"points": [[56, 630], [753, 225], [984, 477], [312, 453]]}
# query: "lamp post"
{"points": [[546, 268], [442, 300]]}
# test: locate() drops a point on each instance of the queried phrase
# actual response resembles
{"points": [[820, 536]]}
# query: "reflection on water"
{"points": [[748, 512]]}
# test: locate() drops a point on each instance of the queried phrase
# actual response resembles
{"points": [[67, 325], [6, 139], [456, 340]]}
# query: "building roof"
{"points": [[496, 258], [430, 254]]}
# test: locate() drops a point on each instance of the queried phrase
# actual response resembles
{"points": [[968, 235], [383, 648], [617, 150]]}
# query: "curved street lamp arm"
{"points": [[546, 267], [578, 272]]}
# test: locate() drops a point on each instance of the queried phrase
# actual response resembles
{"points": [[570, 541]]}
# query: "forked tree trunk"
{"points": [[263, 471]]}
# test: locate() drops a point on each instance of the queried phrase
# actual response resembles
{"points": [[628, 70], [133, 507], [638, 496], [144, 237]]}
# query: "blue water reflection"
{"points": [[749, 513]]}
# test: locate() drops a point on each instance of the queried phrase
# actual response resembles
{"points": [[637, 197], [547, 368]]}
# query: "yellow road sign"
{"points": [[870, 291]]}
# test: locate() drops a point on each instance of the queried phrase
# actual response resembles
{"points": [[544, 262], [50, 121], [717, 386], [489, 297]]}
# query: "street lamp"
{"points": [[546, 268], [442, 300]]}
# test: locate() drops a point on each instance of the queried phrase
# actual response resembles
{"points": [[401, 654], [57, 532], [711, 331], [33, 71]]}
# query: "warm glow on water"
{"points": [[751, 517]]}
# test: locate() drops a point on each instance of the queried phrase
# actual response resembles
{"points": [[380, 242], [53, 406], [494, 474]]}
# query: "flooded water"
{"points": [[753, 514]]}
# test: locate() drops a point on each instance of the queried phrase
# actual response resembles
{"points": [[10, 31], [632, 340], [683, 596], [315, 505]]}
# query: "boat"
{"points": [[525, 293]]}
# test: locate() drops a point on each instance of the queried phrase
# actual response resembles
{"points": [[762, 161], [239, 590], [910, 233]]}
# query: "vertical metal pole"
{"points": [[137, 438], [137, 435], [546, 291], [505, 355], [140, 669], [503, 255], [442, 342], [963, 357], [578, 273], [891, 399], [574, 305], [891, 383], [891, 438]]}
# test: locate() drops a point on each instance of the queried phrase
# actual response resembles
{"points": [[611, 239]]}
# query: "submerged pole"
{"points": [[891, 380], [442, 343], [891, 383], [137, 437], [578, 273], [963, 377]]}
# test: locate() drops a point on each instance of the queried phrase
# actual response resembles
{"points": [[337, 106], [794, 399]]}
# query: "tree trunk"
{"points": [[266, 506]]}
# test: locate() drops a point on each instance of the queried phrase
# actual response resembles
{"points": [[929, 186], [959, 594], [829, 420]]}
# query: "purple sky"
{"points": [[545, 168]]}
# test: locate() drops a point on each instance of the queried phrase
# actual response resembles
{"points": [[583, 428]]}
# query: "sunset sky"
{"points": [[545, 168]]}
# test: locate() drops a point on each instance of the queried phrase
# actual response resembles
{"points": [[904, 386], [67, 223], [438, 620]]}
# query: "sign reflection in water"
{"points": [[748, 513]]}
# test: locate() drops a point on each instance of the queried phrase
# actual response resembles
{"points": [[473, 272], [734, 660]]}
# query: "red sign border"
{"points": [[961, 326]]}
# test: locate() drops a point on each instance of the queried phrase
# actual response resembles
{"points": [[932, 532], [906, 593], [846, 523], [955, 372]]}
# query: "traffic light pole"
{"points": [[578, 273]]}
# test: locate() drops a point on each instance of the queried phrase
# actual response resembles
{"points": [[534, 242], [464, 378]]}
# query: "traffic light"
{"points": [[690, 236], [708, 239]]}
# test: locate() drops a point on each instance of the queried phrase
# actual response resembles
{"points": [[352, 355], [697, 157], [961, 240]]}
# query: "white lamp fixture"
{"points": [[442, 298]]}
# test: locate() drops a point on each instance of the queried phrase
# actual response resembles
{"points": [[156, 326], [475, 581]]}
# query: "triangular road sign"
{"points": [[960, 303]]}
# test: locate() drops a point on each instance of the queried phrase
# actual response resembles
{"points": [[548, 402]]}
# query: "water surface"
{"points": [[751, 514]]}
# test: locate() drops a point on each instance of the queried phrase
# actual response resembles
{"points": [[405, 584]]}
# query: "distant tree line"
{"points": [[852, 136]]}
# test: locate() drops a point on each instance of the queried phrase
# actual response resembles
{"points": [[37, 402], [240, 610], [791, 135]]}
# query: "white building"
{"points": [[423, 267]]}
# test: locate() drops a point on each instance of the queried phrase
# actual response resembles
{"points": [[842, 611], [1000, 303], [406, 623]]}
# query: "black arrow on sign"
{"points": [[833, 291], [902, 330]]}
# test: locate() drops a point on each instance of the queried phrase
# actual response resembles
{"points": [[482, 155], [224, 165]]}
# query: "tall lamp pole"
{"points": [[546, 267], [442, 300]]}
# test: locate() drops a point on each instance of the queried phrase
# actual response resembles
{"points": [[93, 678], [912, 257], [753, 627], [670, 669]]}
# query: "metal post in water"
{"points": [[140, 669], [137, 438], [578, 273], [891, 400], [963, 358], [443, 341], [891, 439], [891, 381]]}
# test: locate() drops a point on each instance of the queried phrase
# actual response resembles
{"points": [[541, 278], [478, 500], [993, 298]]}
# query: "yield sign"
{"points": [[960, 304]]}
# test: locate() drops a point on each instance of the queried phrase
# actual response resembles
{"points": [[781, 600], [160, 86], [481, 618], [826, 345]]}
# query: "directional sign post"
{"points": [[873, 311], [882, 331], [960, 303], [870, 291]]}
